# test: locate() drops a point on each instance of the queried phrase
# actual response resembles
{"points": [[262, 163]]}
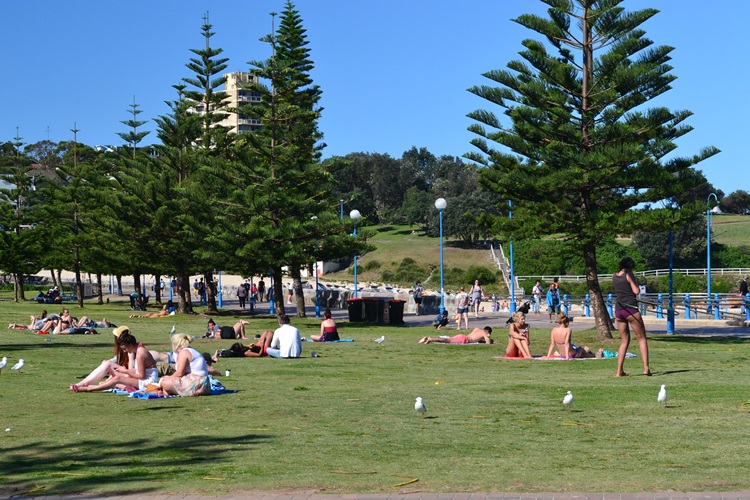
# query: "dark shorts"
{"points": [[463, 310], [417, 300], [625, 313]]}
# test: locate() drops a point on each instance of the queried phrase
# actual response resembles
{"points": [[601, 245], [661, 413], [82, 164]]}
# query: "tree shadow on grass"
{"points": [[136, 466]]}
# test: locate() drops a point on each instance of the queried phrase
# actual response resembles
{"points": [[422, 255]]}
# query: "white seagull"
{"points": [[17, 367], [568, 400], [662, 397], [3, 363], [174, 329], [380, 339], [420, 407]]}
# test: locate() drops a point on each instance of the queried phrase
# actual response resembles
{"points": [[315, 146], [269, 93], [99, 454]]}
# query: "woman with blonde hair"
{"points": [[518, 337], [560, 340], [190, 376]]}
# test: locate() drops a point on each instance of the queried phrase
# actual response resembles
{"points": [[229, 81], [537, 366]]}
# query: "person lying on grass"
{"points": [[480, 335], [257, 350]]}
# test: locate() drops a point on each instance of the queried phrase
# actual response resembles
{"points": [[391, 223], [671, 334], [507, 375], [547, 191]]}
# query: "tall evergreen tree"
{"points": [[587, 158], [202, 89], [288, 216], [18, 254], [132, 137]]}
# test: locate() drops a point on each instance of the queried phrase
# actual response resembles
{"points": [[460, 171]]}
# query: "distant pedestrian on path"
{"points": [[418, 293], [476, 293], [462, 308], [537, 295]]}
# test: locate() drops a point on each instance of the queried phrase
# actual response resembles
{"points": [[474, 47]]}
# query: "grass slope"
{"points": [[344, 422]]}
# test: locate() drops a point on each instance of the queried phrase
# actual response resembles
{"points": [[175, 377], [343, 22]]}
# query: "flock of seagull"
{"points": [[420, 408], [15, 368]]}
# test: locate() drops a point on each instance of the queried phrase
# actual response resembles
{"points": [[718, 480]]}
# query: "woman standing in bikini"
{"points": [[627, 315]]}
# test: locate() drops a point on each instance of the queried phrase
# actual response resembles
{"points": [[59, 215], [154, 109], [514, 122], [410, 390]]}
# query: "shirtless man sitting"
{"points": [[481, 335]]}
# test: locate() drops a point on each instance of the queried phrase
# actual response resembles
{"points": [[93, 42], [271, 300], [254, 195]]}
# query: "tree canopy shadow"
{"points": [[137, 466]]}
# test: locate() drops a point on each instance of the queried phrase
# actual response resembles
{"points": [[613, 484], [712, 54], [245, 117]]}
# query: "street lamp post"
{"points": [[708, 242], [512, 273], [355, 215], [440, 204]]}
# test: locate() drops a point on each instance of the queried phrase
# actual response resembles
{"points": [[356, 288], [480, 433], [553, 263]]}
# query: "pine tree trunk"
{"points": [[137, 283], [100, 295], [278, 292], [211, 292], [184, 301], [603, 322], [298, 293], [17, 287], [157, 288], [119, 284]]}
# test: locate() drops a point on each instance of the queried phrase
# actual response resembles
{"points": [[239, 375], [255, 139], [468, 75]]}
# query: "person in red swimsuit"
{"points": [[476, 335], [328, 331]]}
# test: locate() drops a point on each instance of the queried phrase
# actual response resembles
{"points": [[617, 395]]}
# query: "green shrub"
{"points": [[485, 276], [372, 265]]}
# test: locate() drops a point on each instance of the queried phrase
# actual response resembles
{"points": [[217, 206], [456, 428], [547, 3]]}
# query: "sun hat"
{"points": [[120, 330]]}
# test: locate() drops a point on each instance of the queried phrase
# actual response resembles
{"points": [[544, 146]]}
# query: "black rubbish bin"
{"points": [[396, 312], [371, 309], [356, 310]]}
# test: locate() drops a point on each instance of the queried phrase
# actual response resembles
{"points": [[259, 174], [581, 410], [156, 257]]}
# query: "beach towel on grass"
{"points": [[330, 341]]}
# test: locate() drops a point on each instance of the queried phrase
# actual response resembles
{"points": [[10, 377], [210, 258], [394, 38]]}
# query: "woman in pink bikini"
{"points": [[518, 337], [627, 315]]}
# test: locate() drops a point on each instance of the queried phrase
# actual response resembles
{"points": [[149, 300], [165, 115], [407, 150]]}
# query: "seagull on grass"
{"points": [[380, 339], [17, 367], [419, 407], [174, 329], [3, 364], [662, 397], [568, 400]]}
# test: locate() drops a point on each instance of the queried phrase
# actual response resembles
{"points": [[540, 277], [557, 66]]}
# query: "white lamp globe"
{"points": [[440, 203], [354, 214]]}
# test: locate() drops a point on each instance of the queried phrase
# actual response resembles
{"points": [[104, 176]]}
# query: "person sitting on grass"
{"points": [[560, 339], [518, 337], [440, 320], [108, 366], [191, 373], [138, 377], [328, 331], [477, 335], [257, 350]]}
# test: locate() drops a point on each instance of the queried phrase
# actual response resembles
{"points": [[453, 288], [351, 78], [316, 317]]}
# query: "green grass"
{"points": [[732, 230], [345, 422], [395, 243]]}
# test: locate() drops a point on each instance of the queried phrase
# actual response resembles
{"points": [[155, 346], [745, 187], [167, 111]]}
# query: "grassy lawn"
{"points": [[395, 243], [344, 422], [733, 230]]}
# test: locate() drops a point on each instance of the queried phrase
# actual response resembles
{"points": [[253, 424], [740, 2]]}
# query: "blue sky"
{"points": [[394, 73]]}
